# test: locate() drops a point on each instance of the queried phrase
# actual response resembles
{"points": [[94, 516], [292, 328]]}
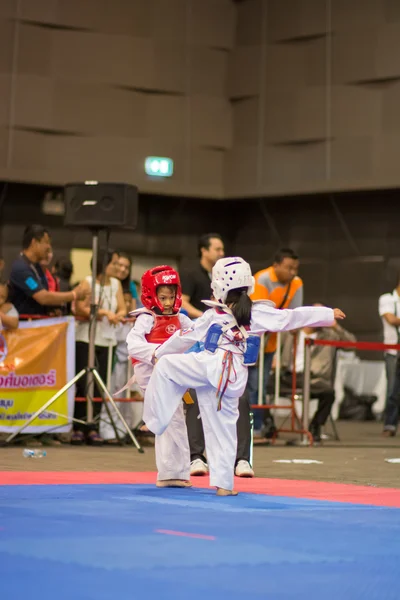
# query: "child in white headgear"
{"points": [[230, 332]]}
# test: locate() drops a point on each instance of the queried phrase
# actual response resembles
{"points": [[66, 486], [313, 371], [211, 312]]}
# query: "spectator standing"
{"points": [[128, 286], [109, 297], [121, 356], [196, 286], [280, 284], [62, 271], [197, 280], [28, 286], [389, 311]]}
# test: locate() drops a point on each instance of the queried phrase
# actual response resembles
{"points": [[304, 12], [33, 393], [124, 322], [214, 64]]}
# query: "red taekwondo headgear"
{"points": [[152, 279]]}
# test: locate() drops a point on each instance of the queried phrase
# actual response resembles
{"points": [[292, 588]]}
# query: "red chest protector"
{"points": [[164, 327]]}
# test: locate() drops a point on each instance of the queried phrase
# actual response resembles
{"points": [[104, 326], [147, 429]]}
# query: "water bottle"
{"points": [[27, 453]]}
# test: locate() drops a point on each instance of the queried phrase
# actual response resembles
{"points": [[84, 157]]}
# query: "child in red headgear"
{"points": [[155, 323]]}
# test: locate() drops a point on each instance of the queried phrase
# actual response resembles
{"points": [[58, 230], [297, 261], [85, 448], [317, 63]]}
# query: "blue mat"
{"points": [[101, 542]]}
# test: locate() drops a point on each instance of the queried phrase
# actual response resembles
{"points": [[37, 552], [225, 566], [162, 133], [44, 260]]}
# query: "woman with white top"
{"points": [[111, 311]]}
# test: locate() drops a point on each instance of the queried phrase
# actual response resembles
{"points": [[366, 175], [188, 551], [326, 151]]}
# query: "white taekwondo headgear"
{"points": [[228, 274]]}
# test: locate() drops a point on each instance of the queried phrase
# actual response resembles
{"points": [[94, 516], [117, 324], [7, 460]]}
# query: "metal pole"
{"points": [[306, 389], [261, 398], [294, 379], [278, 368], [92, 331], [109, 366]]}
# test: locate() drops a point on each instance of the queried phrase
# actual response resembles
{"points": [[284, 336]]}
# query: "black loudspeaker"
{"points": [[101, 205]]}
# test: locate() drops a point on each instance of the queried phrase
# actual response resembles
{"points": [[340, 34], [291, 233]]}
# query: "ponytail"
{"points": [[241, 305]]}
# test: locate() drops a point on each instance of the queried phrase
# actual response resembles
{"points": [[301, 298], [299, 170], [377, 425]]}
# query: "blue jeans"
{"points": [[252, 388], [393, 402]]}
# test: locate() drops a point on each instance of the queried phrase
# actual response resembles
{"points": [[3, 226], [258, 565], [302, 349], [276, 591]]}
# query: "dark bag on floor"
{"points": [[357, 408]]}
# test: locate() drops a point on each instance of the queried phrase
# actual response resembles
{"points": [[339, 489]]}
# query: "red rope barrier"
{"points": [[80, 399], [356, 345], [34, 317]]}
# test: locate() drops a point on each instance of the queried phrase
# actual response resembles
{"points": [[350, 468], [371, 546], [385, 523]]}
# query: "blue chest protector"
{"points": [[252, 342]]}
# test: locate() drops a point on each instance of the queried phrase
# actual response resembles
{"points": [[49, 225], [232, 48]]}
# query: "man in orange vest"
{"points": [[280, 284]]}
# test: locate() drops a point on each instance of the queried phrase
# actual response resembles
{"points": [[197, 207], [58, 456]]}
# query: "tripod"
{"points": [[90, 371]]}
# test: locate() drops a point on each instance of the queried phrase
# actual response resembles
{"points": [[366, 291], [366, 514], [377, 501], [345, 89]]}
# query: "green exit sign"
{"points": [[159, 166]]}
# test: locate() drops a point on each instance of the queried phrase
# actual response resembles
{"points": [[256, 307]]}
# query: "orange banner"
{"points": [[37, 360]]}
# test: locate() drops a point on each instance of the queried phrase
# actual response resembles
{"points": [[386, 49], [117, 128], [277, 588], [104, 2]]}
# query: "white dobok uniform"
{"points": [[207, 372], [172, 444]]}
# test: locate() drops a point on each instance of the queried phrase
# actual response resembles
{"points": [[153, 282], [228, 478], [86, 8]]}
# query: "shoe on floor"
{"points": [[243, 469], [198, 467], [388, 433], [316, 434]]}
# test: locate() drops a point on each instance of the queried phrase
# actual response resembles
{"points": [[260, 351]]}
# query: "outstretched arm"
{"points": [[265, 318], [138, 346]]}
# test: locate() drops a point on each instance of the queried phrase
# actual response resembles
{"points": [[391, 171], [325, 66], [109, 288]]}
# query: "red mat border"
{"points": [[313, 490]]}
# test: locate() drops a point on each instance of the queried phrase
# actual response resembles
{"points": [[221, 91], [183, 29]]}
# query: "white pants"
{"points": [[172, 376], [172, 446]]}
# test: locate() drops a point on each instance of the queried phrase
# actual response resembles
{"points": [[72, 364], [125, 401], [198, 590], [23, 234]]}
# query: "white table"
{"points": [[363, 377]]}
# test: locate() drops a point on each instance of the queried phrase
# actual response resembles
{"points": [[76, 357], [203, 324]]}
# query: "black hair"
{"points": [[240, 304], [123, 255], [32, 232], [205, 241], [64, 268], [285, 253], [127, 281], [104, 258]]}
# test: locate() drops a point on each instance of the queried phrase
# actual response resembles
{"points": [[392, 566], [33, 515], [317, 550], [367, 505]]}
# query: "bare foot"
{"points": [[144, 428], [179, 483], [223, 492]]}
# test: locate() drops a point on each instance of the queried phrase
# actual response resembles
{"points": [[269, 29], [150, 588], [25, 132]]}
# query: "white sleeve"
{"points": [[386, 305], [183, 340], [265, 318], [186, 322], [138, 346]]}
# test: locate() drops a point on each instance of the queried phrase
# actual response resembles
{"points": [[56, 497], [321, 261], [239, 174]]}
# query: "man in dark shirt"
{"points": [[196, 286], [28, 288], [196, 282]]}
